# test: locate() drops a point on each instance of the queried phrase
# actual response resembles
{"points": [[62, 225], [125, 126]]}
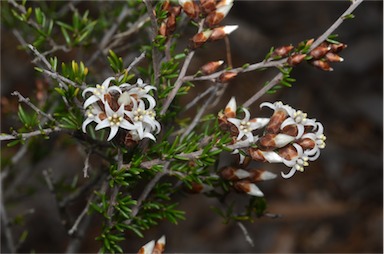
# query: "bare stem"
{"points": [[202, 110], [27, 135], [180, 79], [155, 52], [147, 191], [252, 67], [263, 90], [338, 22], [246, 234], [31, 105]]}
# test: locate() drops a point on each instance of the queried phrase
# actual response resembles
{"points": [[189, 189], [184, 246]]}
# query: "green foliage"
{"points": [[78, 32], [74, 71], [28, 119]]}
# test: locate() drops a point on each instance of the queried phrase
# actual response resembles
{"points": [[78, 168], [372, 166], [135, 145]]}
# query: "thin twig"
{"points": [[178, 83], [246, 234], [199, 114], [193, 155], [75, 226], [338, 22], [118, 38], [5, 223], [107, 36], [31, 105], [317, 42], [199, 97], [116, 188], [27, 135], [135, 62], [263, 90], [180, 79], [86, 164], [155, 52], [147, 190], [252, 67]]}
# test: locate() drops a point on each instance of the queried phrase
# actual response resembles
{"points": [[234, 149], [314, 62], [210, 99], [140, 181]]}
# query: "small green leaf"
{"points": [[66, 35]]}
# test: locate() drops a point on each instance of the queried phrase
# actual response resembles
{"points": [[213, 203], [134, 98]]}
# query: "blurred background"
{"points": [[335, 206]]}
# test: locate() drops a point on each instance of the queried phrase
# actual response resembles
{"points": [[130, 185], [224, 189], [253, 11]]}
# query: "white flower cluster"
{"points": [[126, 106], [289, 137], [307, 142]]}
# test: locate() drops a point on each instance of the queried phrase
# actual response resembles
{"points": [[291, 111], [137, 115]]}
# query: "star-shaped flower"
{"points": [[246, 126], [297, 163], [114, 120], [99, 91]]}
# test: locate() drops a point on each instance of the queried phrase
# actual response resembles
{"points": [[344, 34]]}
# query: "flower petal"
{"points": [[113, 132], [290, 174], [85, 123], [103, 124], [107, 81], [90, 100]]}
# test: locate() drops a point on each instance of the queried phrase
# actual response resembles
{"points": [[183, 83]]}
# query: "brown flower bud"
{"points": [[257, 175], [166, 6], [309, 42], [197, 188], [271, 141], [248, 187], [159, 246], [295, 59], [256, 154], [163, 29], [234, 174], [207, 6], [306, 143], [288, 152], [171, 24], [331, 57], [336, 48], [290, 130], [211, 67], [323, 65], [175, 10], [200, 38], [319, 51], [275, 121], [215, 17], [191, 8], [220, 32], [282, 51], [227, 76]]}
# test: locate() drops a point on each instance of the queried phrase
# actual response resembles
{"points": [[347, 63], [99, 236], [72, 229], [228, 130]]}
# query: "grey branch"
{"points": [[27, 135], [31, 105]]}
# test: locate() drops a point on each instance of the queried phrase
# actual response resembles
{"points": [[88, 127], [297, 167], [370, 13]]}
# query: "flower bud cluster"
{"points": [[129, 108], [152, 247], [288, 136], [326, 53], [168, 25], [244, 180], [213, 12], [320, 57]]}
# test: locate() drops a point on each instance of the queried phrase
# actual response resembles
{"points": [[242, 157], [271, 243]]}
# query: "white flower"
{"points": [[299, 119], [246, 126], [297, 163], [277, 106], [92, 114], [99, 91], [319, 139], [114, 120], [136, 92], [144, 120]]}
